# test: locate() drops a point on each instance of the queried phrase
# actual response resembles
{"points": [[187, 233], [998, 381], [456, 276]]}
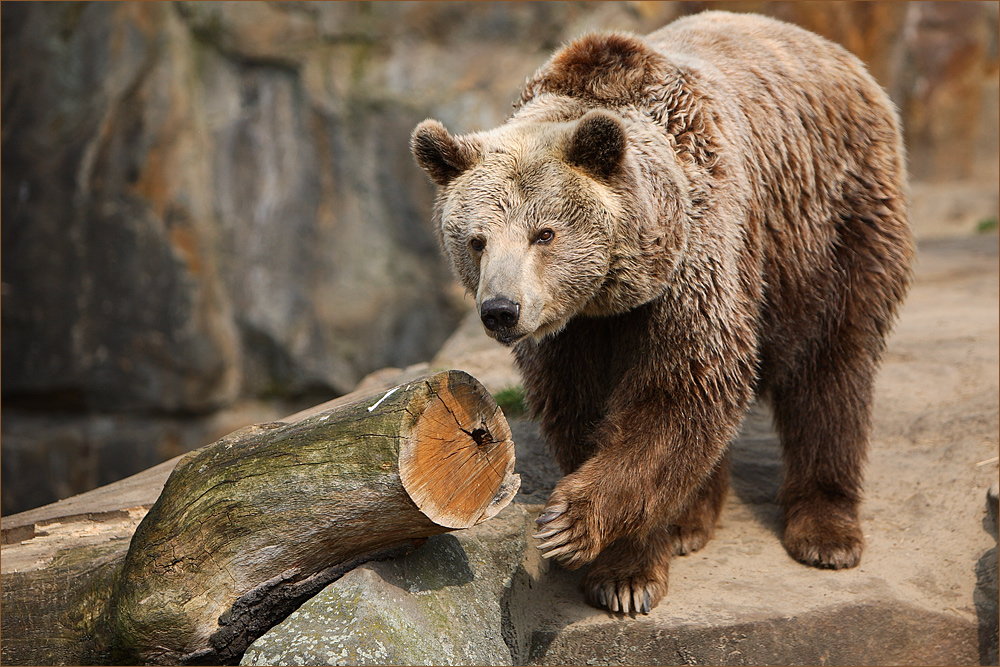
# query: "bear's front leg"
{"points": [[631, 573], [658, 452]]}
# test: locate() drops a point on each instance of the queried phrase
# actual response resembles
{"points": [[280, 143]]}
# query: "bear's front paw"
{"points": [[566, 531], [630, 575]]}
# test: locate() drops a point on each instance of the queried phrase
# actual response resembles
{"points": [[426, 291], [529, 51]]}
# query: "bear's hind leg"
{"points": [[823, 416], [631, 573], [696, 526]]}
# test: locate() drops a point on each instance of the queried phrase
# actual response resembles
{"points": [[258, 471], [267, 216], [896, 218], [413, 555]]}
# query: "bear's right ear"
{"points": [[598, 143], [438, 153]]}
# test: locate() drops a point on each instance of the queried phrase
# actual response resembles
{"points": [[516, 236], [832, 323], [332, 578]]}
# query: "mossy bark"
{"points": [[249, 527]]}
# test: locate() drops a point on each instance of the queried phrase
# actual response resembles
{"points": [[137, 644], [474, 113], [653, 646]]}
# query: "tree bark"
{"points": [[251, 526]]}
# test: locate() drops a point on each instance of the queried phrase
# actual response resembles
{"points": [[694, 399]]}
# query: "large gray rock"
{"points": [[206, 222], [110, 297], [483, 596], [444, 604]]}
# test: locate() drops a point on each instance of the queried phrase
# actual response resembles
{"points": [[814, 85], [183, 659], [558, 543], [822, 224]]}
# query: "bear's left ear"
{"points": [[598, 143], [438, 153]]}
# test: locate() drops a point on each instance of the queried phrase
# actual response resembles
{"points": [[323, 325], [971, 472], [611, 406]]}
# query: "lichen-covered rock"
{"points": [[443, 604]]}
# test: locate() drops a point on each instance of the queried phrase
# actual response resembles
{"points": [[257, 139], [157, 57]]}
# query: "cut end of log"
{"points": [[457, 463]]}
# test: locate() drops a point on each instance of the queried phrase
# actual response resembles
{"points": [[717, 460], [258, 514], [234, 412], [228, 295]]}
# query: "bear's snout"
{"points": [[499, 313]]}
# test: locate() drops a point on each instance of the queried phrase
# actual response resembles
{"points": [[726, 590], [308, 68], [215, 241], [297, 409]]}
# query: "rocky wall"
{"points": [[205, 203]]}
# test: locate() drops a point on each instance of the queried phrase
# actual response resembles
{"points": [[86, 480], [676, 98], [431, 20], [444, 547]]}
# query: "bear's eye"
{"points": [[477, 244], [545, 236]]}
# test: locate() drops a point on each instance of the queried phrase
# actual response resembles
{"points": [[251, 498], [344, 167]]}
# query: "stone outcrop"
{"points": [[448, 603], [206, 223]]}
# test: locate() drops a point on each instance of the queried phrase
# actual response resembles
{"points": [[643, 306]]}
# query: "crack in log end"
{"points": [[483, 439], [481, 435], [435, 394], [504, 495]]}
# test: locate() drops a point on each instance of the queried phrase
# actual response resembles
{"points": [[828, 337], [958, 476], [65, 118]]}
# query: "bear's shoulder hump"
{"points": [[608, 68]]}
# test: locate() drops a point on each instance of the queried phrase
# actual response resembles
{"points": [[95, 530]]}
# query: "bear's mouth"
{"points": [[507, 339]]}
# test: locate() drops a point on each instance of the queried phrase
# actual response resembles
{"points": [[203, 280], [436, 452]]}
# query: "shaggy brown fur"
{"points": [[666, 227]]}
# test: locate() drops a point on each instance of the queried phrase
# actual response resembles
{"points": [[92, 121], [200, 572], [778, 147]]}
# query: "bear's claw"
{"points": [[552, 539], [630, 575], [623, 598], [564, 537], [547, 534], [556, 552], [548, 516], [555, 536]]}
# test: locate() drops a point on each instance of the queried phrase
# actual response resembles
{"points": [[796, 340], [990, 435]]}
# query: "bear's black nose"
{"points": [[499, 313]]}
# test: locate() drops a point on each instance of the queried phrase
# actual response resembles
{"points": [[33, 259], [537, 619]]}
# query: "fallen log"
{"points": [[248, 528]]}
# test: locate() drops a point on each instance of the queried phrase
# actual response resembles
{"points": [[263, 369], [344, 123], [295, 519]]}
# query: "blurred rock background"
{"points": [[211, 217]]}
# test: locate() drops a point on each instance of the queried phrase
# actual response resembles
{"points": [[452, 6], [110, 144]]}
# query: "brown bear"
{"points": [[665, 228]]}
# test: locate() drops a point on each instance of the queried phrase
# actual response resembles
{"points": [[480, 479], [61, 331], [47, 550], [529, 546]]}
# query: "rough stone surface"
{"points": [[213, 216], [987, 595], [444, 604], [925, 592]]}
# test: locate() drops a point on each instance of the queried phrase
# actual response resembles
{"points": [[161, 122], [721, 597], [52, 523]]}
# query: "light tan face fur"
{"points": [[521, 223]]}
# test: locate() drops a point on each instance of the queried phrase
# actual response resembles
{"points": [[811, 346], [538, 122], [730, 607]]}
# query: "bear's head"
{"points": [[543, 219]]}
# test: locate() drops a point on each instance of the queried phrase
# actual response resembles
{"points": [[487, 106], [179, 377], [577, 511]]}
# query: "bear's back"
{"points": [[811, 122], [739, 44], [792, 87]]}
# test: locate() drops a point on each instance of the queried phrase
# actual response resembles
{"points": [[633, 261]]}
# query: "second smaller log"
{"points": [[251, 526]]}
